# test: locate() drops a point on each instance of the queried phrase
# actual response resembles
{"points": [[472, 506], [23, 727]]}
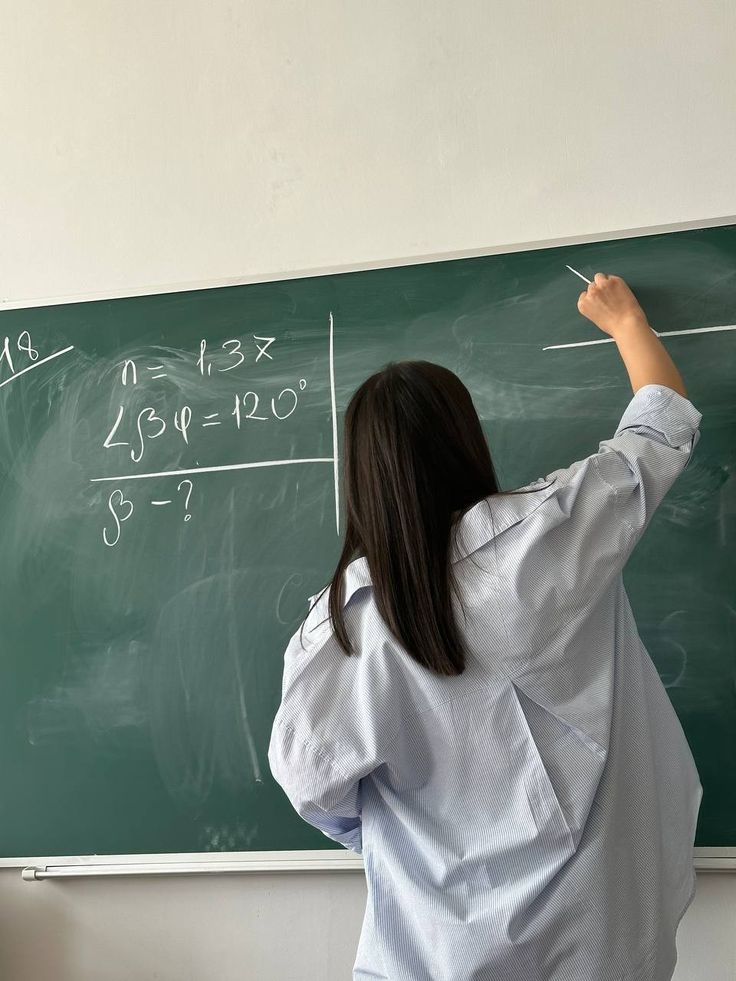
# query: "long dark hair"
{"points": [[415, 457]]}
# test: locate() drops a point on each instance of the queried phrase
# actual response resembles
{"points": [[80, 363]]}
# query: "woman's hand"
{"points": [[611, 305]]}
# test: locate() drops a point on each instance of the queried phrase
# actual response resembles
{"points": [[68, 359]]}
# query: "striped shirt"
{"points": [[533, 818]]}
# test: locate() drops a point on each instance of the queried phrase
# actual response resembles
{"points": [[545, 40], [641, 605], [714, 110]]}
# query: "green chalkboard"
{"points": [[144, 618]]}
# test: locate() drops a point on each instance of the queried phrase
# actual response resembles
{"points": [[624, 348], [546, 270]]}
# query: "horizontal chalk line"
{"points": [[198, 470], [664, 333]]}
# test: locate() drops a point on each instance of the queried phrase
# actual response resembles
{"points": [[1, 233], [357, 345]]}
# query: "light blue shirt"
{"points": [[533, 818]]}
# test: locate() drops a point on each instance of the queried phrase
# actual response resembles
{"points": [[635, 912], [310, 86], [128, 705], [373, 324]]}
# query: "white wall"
{"points": [[300, 927], [186, 140], [151, 144]]}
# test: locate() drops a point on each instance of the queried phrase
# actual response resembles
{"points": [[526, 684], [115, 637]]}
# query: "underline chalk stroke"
{"points": [[663, 333], [199, 470], [36, 364]]}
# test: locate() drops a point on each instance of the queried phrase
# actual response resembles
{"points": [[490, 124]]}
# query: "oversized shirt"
{"points": [[533, 818]]}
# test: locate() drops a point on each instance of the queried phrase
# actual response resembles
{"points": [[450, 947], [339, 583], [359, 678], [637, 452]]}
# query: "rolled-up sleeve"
{"points": [[651, 447], [661, 414], [329, 731], [603, 503], [318, 788]]}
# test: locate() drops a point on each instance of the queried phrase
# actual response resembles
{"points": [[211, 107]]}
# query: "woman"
{"points": [[469, 704]]}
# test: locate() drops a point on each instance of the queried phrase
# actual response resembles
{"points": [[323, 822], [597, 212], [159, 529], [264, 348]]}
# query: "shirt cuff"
{"points": [[663, 412], [352, 839]]}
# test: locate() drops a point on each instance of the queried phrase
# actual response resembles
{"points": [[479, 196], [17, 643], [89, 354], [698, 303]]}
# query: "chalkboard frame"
{"points": [[201, 863], [318, 860]]}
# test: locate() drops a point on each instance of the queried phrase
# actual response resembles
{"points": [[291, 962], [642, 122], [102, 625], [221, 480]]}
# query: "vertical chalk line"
{"points": [[335, 467]]}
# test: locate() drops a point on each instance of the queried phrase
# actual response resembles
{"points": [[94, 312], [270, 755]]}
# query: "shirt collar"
{"points": [[493, 515], [485, 520]]}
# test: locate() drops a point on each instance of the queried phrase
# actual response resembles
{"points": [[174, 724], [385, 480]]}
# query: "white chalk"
{"points": [[663, 333], [588, 281]]}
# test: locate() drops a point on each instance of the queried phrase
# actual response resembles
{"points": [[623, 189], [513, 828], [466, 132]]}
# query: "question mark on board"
{"points": [[186, 480]]}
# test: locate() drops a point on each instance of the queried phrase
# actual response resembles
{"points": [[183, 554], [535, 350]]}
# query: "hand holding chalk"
{"points": [[610, 305]]}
